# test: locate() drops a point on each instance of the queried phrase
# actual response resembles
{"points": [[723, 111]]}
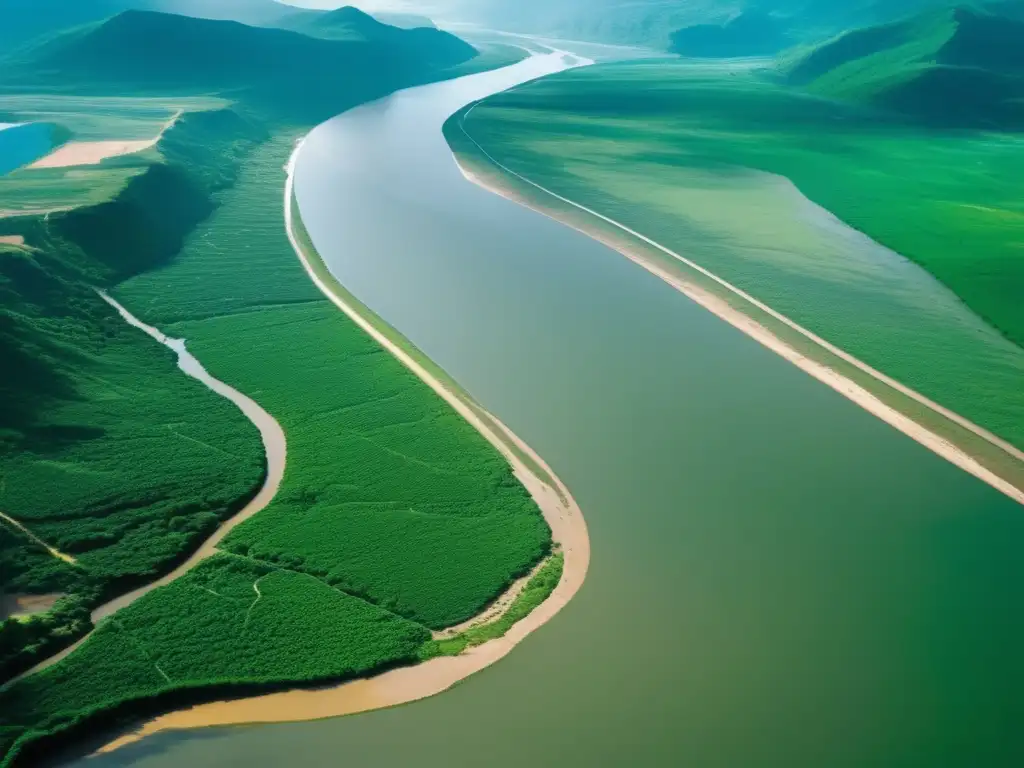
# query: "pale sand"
{"points": [[407, 684], [758, 332], [12, 240], [78, 153]]}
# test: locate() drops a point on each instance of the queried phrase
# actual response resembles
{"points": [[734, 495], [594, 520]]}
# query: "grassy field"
{"points": [[697, 157], [249, 624]]}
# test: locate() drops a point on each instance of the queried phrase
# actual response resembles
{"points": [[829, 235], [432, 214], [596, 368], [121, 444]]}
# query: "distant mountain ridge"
{"points": [[24, 20], [349, 23], [752, 33], [149, 52]]}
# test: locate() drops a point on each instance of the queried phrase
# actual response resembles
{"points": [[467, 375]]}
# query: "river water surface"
{"points": [[777, 578]]}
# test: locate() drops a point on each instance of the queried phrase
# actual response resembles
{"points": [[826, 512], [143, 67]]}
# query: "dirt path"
{"points": [[52, 550], [755, 330]]}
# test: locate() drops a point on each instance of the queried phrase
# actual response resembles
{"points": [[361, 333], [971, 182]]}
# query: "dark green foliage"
{"points": [[537, 590], [227, 622], [278, 71], [750, 34], [388, 493], [25, 642]]}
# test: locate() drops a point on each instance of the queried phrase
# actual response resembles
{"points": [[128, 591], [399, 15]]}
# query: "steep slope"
{"points": [[351, 24], [958, 67], [752, 33], [24, 20]]}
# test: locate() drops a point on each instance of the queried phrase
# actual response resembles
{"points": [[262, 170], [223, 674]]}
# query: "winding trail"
{"points": [[52, 550], [274, 445], [755, 330]]}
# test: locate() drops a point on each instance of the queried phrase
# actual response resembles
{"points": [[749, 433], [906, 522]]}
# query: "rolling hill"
{"points": [[24, 20], [752, 33], [152, 53], [351, 24], [959, 67]]}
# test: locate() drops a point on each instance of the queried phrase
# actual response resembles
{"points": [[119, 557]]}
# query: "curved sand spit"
{"points": [[409, 684], [715, 304]]}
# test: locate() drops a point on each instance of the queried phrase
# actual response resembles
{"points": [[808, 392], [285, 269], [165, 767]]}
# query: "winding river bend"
{"points": [[777, 577]]}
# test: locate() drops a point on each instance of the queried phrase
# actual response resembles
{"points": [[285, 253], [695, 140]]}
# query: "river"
{"points": [[777, 578]]}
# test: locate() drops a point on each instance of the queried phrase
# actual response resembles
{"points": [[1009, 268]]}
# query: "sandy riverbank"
{"points": [[410, 684], [79, 153], [493, 182]]}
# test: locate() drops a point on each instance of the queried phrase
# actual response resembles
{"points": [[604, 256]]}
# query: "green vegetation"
{"points": [[537, 590], [435, 484], [668, 148], [751, 33], [228, 623], [956, 67], [353, 25]]}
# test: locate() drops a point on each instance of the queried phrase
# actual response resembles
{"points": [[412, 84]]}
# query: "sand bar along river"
{"points": [[777, 577]]}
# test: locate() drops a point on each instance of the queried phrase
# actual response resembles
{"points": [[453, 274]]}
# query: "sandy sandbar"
{"points": [[719, 306], [12, 240]]}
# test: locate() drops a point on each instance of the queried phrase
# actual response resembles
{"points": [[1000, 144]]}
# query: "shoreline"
{"points": [[429, 678], [748, 325], [79, 154]]}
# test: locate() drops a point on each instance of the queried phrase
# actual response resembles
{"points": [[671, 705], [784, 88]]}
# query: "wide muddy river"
{"points": [[777, 578]]}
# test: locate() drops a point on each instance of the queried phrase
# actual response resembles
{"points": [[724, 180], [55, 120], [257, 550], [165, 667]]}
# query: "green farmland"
{"points": [[711, 161]]}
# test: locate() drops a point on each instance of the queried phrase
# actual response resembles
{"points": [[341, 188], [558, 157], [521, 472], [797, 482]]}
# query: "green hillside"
{"points": [[24, 20], [752, 33], [956, 67], [351, 24], [150, 53]]}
